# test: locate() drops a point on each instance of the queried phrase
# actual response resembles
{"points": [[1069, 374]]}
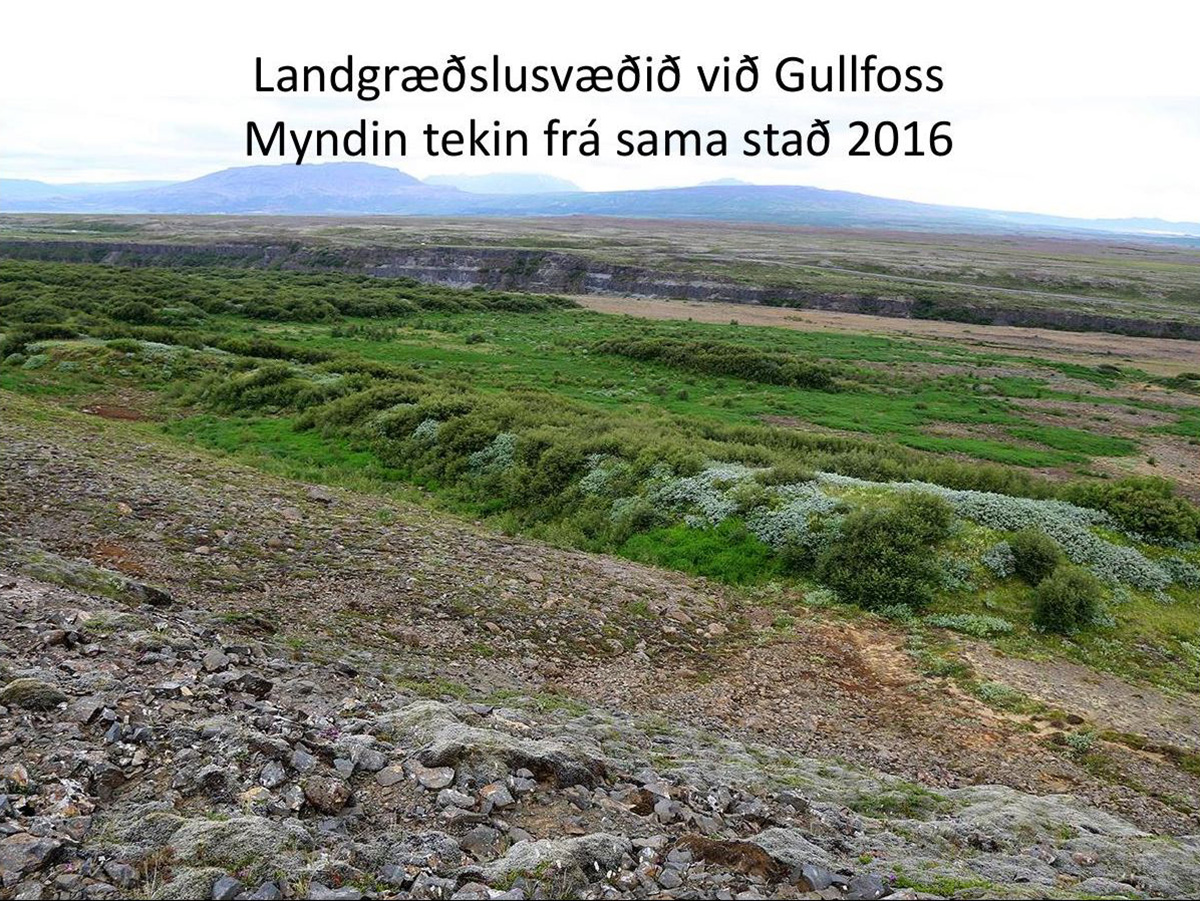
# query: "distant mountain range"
{"points": [[21, 189], [362, 188], [505, 183]]}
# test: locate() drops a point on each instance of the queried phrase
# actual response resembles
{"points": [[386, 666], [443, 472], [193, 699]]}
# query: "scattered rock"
{"points": [[23, 853], [226, 889], [32, 694], [432, 778], [326, 793], [139, 593]]}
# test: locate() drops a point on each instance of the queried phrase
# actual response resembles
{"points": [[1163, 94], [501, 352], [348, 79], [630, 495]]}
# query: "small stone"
{"points": [[328, 794], [253, 684], [390, 776], [147, 594], [432, 778], [498, 794], [473, 891], [214, 781], [319, 892], [120, 873], [866, 888], [83, 710], [215, 661], [669, 879], [320, 495], [24, 853], [369, 760], [481, 842], [302, 761], [256, 799], [14, 777], [226, 889], [273, 775], [450, 797], [815, 878]]}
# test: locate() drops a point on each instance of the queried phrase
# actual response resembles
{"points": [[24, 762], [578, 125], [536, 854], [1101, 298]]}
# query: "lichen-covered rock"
{"points": [[328, 794], [249, 843], [564, 862], [567, 760], [790, 847], [32, 694], [188, 884]]}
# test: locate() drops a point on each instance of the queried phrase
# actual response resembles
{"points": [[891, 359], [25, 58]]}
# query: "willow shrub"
{"points": [[887, 556]]}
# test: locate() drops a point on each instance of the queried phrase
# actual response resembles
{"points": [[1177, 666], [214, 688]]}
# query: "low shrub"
{"points": [[16, 341], [719, 358], [1067, 600], [1035, 555], [978, 625], [886, 556], [999, 560], [1142, 505], [135, 312]]}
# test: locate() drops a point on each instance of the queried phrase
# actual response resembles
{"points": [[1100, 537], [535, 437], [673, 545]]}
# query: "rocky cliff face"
{"points": [[563, 273]]}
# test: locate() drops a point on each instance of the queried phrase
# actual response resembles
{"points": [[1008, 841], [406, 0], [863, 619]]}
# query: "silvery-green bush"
{"points": [[999, 560], [977, 624], [1182, 572], [604, 474], [427, 431], [706, 494], [497, 455], [1068, 524], [791, 524]]}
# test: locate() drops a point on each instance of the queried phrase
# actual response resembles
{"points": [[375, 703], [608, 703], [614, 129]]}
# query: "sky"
{"points": [[1066, 108]]}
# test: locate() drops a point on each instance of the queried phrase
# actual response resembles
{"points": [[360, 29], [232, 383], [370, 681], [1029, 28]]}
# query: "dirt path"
{"points": [[1161, 356]]}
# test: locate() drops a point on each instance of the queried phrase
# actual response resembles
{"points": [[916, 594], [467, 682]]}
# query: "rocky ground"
{"points": [[218, 684]]}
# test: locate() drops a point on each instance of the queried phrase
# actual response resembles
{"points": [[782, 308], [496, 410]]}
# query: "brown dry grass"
{"points": [[1159, 356]]}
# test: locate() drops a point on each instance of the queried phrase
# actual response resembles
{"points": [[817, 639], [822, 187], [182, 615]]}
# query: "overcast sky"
{"points": [[1064, 108]]}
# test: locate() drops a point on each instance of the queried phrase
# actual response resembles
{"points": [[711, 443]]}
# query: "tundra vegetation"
{"points": [[934, 483]]}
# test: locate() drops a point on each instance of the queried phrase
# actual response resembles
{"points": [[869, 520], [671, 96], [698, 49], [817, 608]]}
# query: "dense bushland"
{"points": [[35, 292], [1143, 505], [716, 358]]}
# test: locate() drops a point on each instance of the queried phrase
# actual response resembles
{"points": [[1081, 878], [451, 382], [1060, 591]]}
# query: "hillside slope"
{"points": [[341, 692]]}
